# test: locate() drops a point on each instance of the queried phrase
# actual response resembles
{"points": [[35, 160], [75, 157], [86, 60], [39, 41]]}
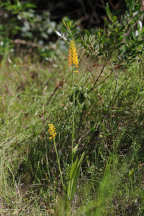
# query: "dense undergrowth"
{"points": [[108, 130], [71, 128]]}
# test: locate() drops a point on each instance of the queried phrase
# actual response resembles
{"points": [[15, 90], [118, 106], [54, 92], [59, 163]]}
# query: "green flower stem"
{"points": [[73, 114], [61, 177]]}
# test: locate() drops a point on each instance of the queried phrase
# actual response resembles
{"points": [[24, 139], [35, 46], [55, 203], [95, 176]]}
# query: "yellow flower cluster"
{"points": [[52, 131], [72, 56]]}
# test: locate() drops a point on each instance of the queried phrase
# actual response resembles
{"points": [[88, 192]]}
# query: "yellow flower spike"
{"points": [[73, 57], [52, 131], [70, 57]]}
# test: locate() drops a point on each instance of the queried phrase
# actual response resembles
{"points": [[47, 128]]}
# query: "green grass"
{"points": [[109, 121]]}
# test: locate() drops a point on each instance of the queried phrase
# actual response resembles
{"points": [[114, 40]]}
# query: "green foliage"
{"points": [[21, 20], [11, 11], [36, 26], [73, 175], [121, 39], [5, 47]]}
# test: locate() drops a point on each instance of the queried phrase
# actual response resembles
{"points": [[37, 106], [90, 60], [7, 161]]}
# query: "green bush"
{"points": [[120, 39], [20, 20]]}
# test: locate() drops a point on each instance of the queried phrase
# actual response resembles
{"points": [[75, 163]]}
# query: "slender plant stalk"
{"points": [[52, 133], [73, 63], [47, 162], [73, 115], [61, 177]]}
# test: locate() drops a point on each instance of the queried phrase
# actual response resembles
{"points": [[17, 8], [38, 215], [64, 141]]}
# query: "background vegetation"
{"points": [[71, 143]]}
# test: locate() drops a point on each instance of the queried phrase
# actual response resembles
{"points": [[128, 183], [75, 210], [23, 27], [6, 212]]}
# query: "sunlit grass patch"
{"points": [[108, 120]]}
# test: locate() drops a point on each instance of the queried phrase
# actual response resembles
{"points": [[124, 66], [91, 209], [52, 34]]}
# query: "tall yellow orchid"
{"points": [[73, 56]]}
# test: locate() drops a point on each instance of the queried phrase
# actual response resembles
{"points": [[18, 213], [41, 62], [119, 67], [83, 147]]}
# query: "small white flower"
{"points": [[61, 35]]}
